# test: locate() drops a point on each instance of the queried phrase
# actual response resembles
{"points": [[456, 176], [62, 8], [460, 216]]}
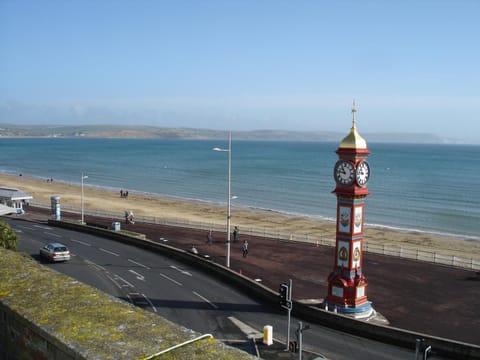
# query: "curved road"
{"points": [[185, 295]]}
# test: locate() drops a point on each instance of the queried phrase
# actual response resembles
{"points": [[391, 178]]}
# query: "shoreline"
{"points": [[171, 207], [248, 208]]}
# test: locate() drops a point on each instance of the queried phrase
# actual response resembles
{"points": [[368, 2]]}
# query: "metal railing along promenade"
{"points": [[389, 250]]}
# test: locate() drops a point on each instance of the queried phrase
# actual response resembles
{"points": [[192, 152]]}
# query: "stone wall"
{"points": [[47, 315]]}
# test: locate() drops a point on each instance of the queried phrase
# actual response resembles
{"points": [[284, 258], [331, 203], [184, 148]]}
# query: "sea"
{"points": [[431, 188]]}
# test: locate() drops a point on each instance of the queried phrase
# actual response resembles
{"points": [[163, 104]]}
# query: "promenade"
{"points": [[437, 300]]}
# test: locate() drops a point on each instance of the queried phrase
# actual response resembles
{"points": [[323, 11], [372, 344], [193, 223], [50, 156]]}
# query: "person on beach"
{"points": [[235, 234], [209, 237], [245, 248]]}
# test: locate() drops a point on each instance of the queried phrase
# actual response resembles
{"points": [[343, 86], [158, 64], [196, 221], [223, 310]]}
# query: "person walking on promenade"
{"points": [[209, 237], [129, 217], [245, 248], [235, 234]]}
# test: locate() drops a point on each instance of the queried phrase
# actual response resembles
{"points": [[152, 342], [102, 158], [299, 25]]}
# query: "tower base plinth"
{"points": [[358, 312], [348, 296]]}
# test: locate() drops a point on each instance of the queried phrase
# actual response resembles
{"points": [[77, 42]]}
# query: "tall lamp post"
{"points": [[229, 200], [83, 178]]}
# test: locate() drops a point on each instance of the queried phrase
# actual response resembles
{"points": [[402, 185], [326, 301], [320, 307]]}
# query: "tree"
{"points": [[8, 237]]}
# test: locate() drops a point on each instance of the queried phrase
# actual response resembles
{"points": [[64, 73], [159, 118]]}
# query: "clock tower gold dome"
{"points": [[353, 140]]}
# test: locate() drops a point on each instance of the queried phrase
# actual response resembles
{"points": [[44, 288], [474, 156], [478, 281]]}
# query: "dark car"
{"points": [[55, 252]]}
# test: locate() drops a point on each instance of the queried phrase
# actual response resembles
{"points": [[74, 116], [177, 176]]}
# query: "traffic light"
{"points": [[283, 294]]}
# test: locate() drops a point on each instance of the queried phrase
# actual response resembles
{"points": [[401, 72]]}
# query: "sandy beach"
{"points": [[170, 208]]}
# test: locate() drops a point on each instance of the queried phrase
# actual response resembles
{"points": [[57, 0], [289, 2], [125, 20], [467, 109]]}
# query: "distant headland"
{"points": [[153, 132]]}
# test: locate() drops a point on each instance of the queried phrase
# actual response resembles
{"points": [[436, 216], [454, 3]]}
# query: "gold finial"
{"points": [[353, 115]]}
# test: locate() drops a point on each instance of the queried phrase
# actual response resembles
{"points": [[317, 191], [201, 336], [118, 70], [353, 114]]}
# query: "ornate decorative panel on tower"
{"points": [[347, 285]]}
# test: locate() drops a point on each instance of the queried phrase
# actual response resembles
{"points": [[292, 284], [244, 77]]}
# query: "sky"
{"points": [[411, 66]]}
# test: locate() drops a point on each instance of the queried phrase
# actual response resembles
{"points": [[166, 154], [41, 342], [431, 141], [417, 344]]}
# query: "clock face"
{"points": [[344, 172], [363, 173]]}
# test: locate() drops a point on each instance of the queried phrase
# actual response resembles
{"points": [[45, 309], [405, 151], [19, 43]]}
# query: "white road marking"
{"points": [[182, 271], [172, 280], [133, 297], [52, 234], [24, 227], [81, 242], [99, 267], [139, 276], [206, 300], [116, 277], [108, 252], [43, 227], [246, 329], [139, 264], [114, 281], [151, 304]]}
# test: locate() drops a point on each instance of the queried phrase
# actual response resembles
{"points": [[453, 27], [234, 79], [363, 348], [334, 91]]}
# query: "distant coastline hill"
{"points": [[152, 132]]}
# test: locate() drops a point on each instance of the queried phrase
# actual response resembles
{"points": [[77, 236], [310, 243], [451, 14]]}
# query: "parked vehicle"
{"points": [[55, 252]]}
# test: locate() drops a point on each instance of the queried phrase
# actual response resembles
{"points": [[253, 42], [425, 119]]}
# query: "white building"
{"points": [[12, 200]]}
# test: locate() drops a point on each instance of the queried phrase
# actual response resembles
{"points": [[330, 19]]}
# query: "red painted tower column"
{"points": [[347, 285]]}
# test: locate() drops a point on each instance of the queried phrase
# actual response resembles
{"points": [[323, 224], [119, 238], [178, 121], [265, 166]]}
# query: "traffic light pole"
{"points": [[285, 292], [288, 330], [299, 333], [300, 339]]}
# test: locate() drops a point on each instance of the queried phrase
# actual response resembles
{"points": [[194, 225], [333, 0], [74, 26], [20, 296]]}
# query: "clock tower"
{"points": [[347, 285]]}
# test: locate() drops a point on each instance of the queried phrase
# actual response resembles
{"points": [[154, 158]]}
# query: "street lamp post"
{"points": [[229, 200], [83, 178]]}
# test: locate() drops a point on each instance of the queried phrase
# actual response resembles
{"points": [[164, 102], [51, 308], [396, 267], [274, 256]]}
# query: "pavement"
{"points": [[278, 351], [418, 296]]}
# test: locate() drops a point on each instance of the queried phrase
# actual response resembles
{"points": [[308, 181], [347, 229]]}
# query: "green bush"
{"points": [[8, 237]]}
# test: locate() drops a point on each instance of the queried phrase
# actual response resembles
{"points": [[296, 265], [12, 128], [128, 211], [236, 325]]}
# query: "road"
{"points": [[187, 296]]}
